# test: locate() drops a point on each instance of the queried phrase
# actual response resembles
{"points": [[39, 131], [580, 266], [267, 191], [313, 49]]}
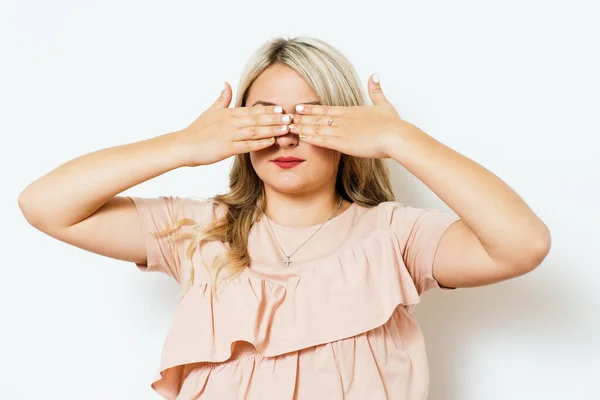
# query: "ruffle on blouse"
{"points": [[343, 295]]}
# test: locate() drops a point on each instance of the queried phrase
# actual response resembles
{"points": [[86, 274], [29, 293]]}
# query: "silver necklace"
{"points": [[287, 261]]}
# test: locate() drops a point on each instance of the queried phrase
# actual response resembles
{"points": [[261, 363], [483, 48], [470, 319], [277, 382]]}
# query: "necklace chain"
{"points": [[287, 261]]}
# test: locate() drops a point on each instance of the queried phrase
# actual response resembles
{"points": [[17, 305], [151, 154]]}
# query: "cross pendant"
{"points": [[287, 261]]}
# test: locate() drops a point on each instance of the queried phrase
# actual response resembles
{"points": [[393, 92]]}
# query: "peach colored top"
{"points": [[336, 324]]}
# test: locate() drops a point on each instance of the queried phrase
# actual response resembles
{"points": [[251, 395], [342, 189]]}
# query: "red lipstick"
{"points": [[287, 162]]}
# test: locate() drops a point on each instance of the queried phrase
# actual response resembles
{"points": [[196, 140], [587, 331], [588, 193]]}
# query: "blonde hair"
{"points": [[361, 180]]}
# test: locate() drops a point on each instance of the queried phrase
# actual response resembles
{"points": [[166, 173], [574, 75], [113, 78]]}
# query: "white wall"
{"points": [[513, 85]]}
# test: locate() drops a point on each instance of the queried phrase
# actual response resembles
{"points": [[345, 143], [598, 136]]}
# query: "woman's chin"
{"points": [[289, 185]]}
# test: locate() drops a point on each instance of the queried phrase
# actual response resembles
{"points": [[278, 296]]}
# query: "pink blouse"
{"points": [[336, 324]]}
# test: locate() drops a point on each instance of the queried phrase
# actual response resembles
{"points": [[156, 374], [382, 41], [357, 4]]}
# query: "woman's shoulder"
{"points": [[382, 212], [393, 209], [402, 217], [200, 209], [175, 207]]}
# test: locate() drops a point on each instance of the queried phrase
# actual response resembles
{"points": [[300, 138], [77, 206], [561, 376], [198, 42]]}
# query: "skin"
{"points": [[309, 188]]}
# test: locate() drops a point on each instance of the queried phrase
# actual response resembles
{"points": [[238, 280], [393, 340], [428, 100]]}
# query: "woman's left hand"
{"points": [[362, 131]]}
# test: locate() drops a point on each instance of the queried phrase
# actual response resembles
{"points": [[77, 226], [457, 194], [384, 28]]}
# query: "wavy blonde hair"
{"points": [[362, 180]]}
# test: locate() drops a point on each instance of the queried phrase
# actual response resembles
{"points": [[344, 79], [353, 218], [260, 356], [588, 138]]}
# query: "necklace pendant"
{"points": [[287, 261]]}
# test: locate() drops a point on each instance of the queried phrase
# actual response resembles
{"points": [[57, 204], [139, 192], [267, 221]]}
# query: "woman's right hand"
{"points": [[221, 132]]}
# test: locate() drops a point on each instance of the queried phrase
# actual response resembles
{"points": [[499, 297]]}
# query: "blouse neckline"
{"points": [[333, 220]]}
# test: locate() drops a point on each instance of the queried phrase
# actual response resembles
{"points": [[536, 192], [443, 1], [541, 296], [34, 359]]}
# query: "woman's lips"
{"points": [[287, 164]]}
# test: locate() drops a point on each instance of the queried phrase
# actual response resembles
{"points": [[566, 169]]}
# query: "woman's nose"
{"points": [[287, 141]]}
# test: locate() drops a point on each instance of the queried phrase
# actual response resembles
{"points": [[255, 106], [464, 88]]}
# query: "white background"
{"points": [[514, 85]]}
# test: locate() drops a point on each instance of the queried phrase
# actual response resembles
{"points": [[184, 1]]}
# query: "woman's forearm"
{"points": [[76, 189]]}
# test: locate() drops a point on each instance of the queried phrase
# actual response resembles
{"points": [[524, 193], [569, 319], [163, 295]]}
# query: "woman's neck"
{"points": [[301, 212]]}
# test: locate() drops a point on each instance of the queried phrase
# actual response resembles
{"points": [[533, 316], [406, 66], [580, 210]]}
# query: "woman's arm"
{"points": [[499, 236], [78, 188], [76, 203]]}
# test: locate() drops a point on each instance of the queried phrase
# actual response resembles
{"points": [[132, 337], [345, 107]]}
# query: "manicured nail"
{"points": [[299, 108], [283, 128], [278, 110], [376, 78], [286, 118]]}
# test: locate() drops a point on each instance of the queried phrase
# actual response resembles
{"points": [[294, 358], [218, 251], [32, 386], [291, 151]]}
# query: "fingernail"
{"points": [[299, 108], [278, 110], [283, 128], [376, 78], [286, 118]]}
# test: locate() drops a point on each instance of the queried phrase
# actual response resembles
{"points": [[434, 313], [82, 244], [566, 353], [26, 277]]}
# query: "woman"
{"points": [[301, 281]]}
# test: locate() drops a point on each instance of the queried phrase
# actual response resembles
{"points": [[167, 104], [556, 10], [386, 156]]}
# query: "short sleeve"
{"points": [[419, 231], [158, 214]]}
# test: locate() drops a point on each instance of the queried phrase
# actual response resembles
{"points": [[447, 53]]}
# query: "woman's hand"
{"points": [[361, 131], [221, 132]]}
